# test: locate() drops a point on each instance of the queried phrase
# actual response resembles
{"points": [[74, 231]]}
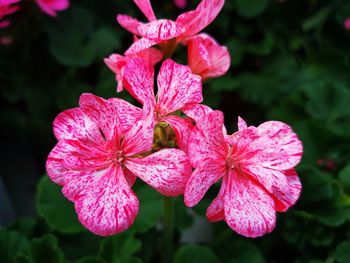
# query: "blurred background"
{"points": [[290, 62]]}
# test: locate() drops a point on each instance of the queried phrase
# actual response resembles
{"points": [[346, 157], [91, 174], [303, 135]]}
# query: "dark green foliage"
{"points": [[290, 62]]}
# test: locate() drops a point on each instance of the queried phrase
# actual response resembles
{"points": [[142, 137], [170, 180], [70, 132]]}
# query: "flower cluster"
{"points": [[50, 7], [173, 143]]}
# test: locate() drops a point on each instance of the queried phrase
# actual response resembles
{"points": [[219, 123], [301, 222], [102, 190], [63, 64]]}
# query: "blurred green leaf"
{"points": [[55, 208], [343, 252], [243, 251], [250, 8], [11, 243], [344, 176], [195, 254]]}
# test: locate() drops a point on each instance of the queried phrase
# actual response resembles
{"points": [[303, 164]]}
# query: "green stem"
{"points": [[168, 225]]}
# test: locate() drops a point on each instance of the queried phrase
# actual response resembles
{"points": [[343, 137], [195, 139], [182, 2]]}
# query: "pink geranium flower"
{"points": [[102, 147], [7, 8], [166, 32], [177, 88], [51, 7], [117, 62], [256, 165], [206, 57], [347, 23]]}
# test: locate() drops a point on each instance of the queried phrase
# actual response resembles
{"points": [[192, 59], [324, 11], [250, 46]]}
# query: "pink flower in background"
{"points": [[102, 147], [347, 23], [256, 165], [117, 62], [7, 7], [52, 6], [206, 57], [166, 32], [177, 88], [180, 3]]}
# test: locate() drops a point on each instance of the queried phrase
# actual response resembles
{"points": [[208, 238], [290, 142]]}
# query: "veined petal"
{"points": [[196, 20], [152, 55], [284, 139], [146, 8], [177, 87], [242, 125], [54, 163], [284, 200], [116, 63], [138, 80], [207, 142], [167, 170], [129, 23], [249, 210], [160, 30], [201, 180], [216, 210], [140, 45], [105, 204], [196, 111], [207, 58], [182, 128], [74, 124]]}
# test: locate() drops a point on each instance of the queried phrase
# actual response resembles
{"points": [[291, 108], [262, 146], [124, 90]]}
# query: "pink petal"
{"points": [[196, 111], [54, 163], [207, 58], [116, 63], [4, 23], [284, 200], [167, 170], [249, 210], [201, 180], [50, 7], [177, 87], [74, 124], [138, 80], [105, 204], [182, 128], [196, 20], [160, 30], [242, 125], [146, 8], [216, 210], [129, 23], [181, 3], [284, 139], [140, 45], [207, 142], [347, 23], [152, 55]]}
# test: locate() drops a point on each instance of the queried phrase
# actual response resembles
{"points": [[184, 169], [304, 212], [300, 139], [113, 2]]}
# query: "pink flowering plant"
{"points": [[169, 140]]}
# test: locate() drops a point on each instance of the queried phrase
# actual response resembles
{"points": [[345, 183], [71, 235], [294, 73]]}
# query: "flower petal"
{"points": [[207, 58], [284, 139], [167, 170], [207, 142], [196, 20], [129, 23], [249, 210], [177, 87], [54, 163], [140, 45], [74, 124], [201, 180], [160, 30], [182, 128], [196, 111], [152, 55], [138, 80], [116, 63], [105, 203], [216, 210], [146, 8], [284, 200]]}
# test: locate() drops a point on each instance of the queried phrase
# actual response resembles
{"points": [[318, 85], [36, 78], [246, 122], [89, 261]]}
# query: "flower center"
{"points": [[119, 157]]}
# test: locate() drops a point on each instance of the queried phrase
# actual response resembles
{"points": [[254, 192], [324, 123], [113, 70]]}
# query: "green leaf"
{"points": [[317, 20], [11, 243], [151, 209], [344, 176], [195, 254], [90, 259], [105, 41], [45, 249], [251, 8], [55, 208], [343, 252], [243, 251], [120, 248]]}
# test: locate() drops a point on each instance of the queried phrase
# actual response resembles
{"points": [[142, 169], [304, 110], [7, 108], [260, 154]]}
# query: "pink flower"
{"points": [[51, 7], [7, 8], [180, 3], [117, 62], [166, 32], [177, 88], [347, 23], [206, 57], [102, 147], [256, 165]]}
